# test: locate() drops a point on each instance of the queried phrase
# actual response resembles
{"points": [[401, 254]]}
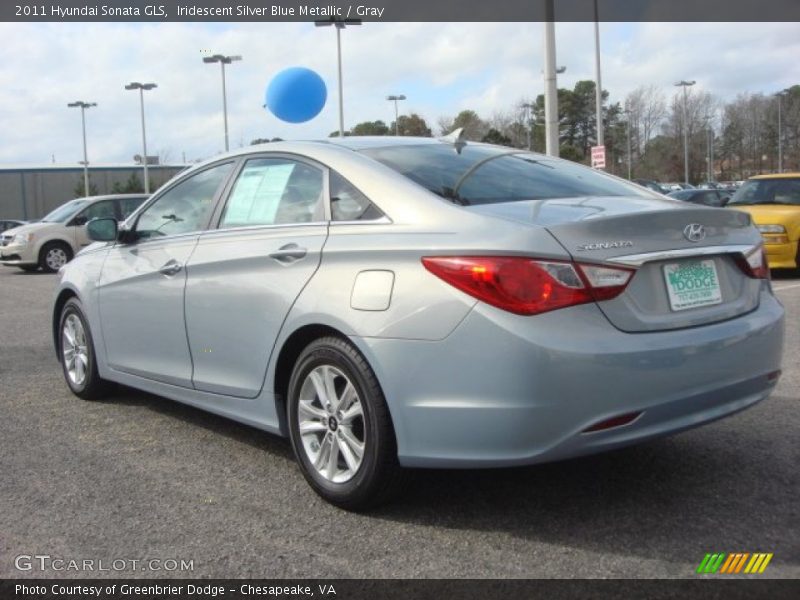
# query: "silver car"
{"points": [[401, 302]]}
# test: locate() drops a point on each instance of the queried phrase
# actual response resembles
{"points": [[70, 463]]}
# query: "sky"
{"points": [[442, 68]]}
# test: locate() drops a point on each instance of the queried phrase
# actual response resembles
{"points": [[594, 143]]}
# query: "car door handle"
{"points": [[289, 253], [171, 268]]}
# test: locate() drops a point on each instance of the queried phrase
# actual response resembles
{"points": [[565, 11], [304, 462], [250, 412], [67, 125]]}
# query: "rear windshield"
{"points": [[768, 191], [487, 174]]}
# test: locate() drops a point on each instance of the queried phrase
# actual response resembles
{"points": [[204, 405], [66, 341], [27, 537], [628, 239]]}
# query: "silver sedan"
{"points": [[401, 302]]}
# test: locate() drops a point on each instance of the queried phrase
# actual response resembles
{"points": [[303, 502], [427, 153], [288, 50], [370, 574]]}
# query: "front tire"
{"points": [[53, 256], [340, 426], [77, 354]]}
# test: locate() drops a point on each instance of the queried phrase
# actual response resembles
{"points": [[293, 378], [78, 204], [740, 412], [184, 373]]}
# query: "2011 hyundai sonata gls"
{"points": [[401, 302]]}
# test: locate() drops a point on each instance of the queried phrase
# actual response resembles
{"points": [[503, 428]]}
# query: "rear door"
{"points": [[244, 277]]}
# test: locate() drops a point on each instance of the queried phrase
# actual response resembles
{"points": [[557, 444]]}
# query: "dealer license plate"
{"points": [[692, 284]]}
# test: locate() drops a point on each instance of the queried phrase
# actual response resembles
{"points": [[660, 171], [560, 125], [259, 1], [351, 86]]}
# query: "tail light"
{"points": [[527, 286], [754, 264]]}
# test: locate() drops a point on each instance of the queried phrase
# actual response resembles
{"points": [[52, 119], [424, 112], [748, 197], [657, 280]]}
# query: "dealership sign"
{"points": [[598, 157]]}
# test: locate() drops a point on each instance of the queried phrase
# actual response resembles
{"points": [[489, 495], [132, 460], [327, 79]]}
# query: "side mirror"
{"points": [[78, 221], [724, 200], [102, 230]]}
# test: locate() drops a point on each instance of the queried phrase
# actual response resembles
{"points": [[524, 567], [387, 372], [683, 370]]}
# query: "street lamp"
{"points": [[142, 87], [396, 118], [684, 85], [339, 24], [599, 87], [780, 96], [628, 113], [223, 60], [83, 106]]}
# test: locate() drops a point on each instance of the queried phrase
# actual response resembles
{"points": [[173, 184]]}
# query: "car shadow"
{"points": [[196, 417], [671, 497]]}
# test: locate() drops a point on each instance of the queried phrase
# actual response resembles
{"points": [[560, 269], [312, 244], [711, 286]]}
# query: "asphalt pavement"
{"points": [[141, 478]]}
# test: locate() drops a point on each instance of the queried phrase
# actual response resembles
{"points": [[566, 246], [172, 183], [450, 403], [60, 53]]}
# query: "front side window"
{"points": [[185, 207], [128, 205], [99, 210], [274, 191]]}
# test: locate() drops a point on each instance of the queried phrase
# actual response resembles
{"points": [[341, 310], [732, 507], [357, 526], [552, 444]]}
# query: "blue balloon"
{"points": [[296, 95]]}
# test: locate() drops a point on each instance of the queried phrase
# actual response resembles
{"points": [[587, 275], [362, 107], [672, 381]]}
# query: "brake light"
{"points": [[754, 264], [527, 286]]}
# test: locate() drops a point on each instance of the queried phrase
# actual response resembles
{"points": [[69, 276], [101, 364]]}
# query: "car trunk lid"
{"points": [[686, 258]]}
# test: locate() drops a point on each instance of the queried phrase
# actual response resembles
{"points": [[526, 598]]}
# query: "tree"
{"points": [[131, 186], [370, 128], [265, 141], [80, 189], [412, 125], [495, 137], [474, 127]]}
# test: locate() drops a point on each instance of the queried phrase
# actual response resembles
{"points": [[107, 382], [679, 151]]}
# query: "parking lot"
{"points": [[138, 477]]}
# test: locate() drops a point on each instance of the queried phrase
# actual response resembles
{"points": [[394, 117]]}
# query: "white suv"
{"points": [[52, 242]]}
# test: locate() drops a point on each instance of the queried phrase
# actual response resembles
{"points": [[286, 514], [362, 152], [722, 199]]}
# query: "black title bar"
{"points": [[398, 10]]}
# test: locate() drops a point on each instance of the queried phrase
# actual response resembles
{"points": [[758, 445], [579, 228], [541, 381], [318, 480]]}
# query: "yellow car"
{"points": [[773, 202]]}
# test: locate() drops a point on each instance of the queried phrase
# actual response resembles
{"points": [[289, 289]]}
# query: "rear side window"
{"points": [[478, 174], [348, 203], [273, 191]]}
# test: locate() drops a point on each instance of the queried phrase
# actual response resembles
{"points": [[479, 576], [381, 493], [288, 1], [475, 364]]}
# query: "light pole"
{"points": [[339, 24], [684, 85], [529, 118], [628, 113], [599, 87], [396, 118], [780, 96], [223, 60], [83, 106], [550, 90], [142, 87]]}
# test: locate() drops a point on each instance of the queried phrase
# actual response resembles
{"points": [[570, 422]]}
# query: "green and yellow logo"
{"points": [[735, 563]]}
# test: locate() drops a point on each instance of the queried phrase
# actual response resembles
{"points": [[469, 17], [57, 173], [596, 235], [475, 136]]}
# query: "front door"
{"points": [[142, 283]]}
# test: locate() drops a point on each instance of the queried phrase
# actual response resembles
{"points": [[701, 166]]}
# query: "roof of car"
{"points": [[112, 196], [777, 176]]}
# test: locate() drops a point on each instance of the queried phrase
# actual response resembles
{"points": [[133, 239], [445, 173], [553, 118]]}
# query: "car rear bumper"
{"points": [[505, 390], [781, 256]]}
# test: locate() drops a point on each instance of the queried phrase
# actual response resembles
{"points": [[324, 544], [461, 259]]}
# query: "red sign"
{"points": [[598, 157]]}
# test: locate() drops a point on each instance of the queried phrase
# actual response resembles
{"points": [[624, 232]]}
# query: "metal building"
{"points": [[29, 192]]}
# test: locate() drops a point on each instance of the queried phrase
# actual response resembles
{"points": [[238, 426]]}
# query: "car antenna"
{"points": [[456, 138]]}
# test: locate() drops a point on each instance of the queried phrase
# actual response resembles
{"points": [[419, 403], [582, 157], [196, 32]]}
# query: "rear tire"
{"points": [[77, 354], [347, 450], [54, 255]]}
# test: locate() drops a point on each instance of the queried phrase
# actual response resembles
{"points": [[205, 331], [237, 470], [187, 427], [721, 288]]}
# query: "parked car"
{"points": [[676, 186], [412, 302], [773, 201], [10, 224], [707, 197], [651, 185], [52, 242]]}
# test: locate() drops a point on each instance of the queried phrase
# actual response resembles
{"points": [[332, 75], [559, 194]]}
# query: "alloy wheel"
{"points": [[74, 349], [331, 424]]}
